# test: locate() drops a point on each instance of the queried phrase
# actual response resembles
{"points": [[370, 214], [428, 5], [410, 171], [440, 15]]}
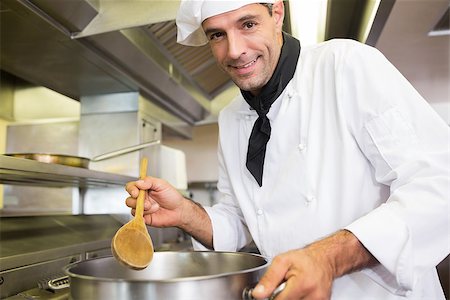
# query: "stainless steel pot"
{"points": [[170, 276]]}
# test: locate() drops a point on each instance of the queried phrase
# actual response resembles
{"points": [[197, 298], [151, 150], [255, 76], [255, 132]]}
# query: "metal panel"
{"points": [[381, 17], [24, 278], [37, 248], [29, 172], [109, 103], [156, 84], [344, 18], [73, 15], [101, 64], [57, 61], [54, 137], [6, 96]]}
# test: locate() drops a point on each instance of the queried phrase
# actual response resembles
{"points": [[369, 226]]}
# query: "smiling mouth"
{"points": [[246, 65]]}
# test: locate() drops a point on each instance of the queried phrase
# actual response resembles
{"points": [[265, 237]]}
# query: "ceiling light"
{"points": [[368, 18], [308, 20]]}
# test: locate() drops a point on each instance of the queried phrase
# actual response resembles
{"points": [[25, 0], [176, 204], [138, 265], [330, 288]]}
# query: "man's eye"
{"points": [[249, 25], [215, 35]]}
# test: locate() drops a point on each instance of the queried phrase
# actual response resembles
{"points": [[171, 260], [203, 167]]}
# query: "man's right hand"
{"points": [[164, 206]]}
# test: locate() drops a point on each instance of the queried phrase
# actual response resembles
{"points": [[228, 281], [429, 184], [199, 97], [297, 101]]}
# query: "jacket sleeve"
{"points": [[407, 144], [229, 230]]}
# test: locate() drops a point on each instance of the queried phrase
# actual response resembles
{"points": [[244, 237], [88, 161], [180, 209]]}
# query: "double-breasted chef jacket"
{"points": [[353, 146]]}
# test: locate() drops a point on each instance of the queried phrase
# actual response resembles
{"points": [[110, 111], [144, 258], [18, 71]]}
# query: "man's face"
{"points": [[247, 43]]}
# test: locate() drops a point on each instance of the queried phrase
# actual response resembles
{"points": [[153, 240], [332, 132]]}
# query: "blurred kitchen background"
{"points": [[86, 77]]}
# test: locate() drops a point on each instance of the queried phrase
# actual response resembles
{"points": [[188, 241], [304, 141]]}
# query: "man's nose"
{"points": [[236, 45]]}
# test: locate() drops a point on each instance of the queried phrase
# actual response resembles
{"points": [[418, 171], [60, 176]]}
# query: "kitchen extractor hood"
{"points": [[37, 45], [123, 14]]}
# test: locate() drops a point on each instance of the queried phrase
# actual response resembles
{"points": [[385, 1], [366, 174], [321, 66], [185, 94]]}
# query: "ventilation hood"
{"points": [[90, 47], [123, 14], [76, 48]]}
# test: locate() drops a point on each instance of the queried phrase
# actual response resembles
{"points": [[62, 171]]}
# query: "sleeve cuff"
{"points": [[387, 238]]}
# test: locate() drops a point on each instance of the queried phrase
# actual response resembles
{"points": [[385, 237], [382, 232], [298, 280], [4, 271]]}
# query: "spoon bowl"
{"points": [[132, 245]]}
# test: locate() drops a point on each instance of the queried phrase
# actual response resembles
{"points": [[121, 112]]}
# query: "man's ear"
{"points": [[278, 14]]}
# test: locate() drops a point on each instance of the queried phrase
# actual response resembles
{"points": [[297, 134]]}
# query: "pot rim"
{"points": [[67, 268]]}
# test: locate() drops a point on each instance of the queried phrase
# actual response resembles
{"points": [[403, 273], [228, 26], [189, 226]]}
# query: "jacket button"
{"points": [[301, 147], [309, 199], [259, 212]]}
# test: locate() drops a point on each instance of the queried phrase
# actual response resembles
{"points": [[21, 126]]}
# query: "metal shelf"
{"points": [[19, 171]]}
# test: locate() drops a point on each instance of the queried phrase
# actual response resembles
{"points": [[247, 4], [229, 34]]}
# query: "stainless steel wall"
{"points": [[51, 137]]}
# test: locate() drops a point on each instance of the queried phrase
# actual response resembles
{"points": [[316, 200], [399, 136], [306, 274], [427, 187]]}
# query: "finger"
{"points": [[148, 219], [131, 202], [273, 277], [285, 292], [146, 183], [146, 212], [150, 205], [282, 292], [131, 189]]}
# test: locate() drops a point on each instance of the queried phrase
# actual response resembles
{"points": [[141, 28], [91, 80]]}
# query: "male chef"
{"points": [[330, 162]]}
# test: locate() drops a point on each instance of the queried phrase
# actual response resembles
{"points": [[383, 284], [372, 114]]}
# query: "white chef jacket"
{"points": [[354, 146]]}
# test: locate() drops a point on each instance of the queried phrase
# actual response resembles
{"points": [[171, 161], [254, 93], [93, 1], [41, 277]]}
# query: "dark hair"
{"points": [[269, 7]]}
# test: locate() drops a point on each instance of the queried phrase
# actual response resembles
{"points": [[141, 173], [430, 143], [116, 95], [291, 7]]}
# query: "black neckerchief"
{"points": [[260, 135]]}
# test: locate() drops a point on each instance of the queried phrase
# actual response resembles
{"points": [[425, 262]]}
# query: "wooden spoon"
{"points": [[132, 245]]}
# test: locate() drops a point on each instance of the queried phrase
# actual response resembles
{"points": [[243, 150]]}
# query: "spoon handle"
{"points": [[140, 200]]}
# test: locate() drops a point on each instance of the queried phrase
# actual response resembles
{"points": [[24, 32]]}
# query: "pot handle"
{"points": [[247, 293], [55, 284], [125, 150]]}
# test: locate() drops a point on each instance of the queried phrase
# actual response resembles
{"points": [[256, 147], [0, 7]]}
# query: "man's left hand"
{"points": [[307, 276], [309, 272]]}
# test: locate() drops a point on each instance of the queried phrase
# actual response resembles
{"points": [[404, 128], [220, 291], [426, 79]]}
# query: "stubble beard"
{"points": [[251, 83]]}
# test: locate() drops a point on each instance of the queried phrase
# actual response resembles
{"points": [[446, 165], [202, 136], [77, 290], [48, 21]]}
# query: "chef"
{"points": [[330, 161]]}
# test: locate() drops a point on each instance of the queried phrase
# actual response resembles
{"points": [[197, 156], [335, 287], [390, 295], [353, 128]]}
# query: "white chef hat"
{"points": [[192, 13]]}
